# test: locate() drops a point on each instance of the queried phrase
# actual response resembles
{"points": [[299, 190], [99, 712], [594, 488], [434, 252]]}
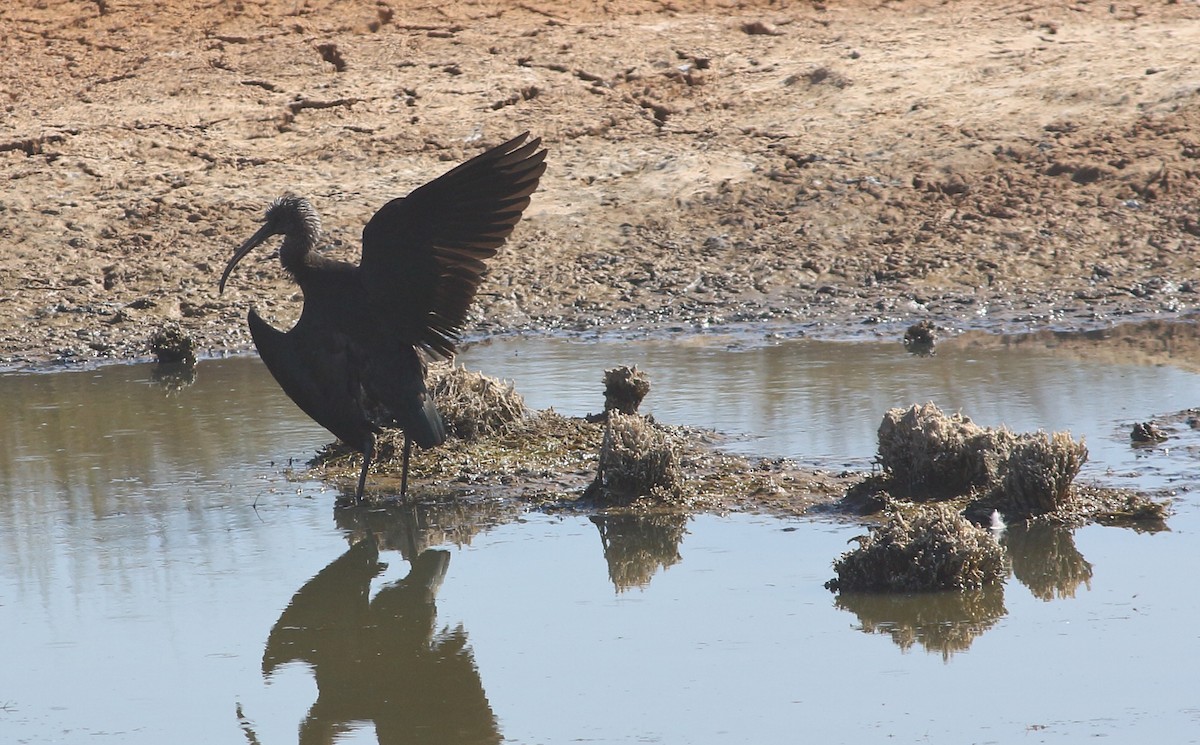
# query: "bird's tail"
{"points": [[424, 423], [396, 380]]}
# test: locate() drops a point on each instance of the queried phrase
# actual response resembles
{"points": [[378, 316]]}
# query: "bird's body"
{"points": [[353, 361]]}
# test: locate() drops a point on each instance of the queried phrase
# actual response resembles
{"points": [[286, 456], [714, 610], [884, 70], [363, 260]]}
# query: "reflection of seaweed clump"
{"points": [[473, 405], [1045, 559], [936, 455], [636, 460], [945, 622], [637, 546], [412, 528], [934, 549]]}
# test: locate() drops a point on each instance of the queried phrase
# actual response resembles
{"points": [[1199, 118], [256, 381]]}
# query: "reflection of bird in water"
{"points": [[379, 659], [352, 362]]}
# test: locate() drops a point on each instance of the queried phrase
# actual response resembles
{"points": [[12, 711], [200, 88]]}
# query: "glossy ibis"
{"points": [[354, 361]]}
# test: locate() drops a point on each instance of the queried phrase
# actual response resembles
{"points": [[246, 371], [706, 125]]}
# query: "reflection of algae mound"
{"points": [[413, 528], [933, 549], [1045, 559], [493, 438], [927, 453], [637, 546], [944, 622], [637, 459]]}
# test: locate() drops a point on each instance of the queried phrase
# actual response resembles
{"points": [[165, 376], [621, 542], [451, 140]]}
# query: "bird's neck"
{"points": [[297, 249]]}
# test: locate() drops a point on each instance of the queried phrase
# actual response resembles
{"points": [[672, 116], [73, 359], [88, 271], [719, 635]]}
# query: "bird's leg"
{"points": [[368, 455], [404, 468]]}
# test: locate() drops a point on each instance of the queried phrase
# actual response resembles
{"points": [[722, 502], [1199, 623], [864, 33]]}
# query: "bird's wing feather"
{"points": [[423, 255], [319, 369]]}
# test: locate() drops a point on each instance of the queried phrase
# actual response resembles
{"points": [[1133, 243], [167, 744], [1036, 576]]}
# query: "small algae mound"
{"points": [[538, 457], [920, 339], [637, 459], [624, 389], [1147, 433], [170, 345], [923, 450], [926, 454], [628, 463], [472, 404], [934, 548], [1036, 471]]}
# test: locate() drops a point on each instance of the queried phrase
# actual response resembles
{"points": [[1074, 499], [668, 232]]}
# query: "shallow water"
{"points": [[821, 402], [164, 581]]}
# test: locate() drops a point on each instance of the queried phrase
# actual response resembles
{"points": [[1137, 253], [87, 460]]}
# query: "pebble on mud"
{"points": [[935, 548], [171, 345]]}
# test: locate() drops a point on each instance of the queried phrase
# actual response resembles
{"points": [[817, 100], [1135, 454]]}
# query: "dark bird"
{"points": [[354, 361]]}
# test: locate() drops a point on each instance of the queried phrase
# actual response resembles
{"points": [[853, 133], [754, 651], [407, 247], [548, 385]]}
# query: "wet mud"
{"points": [[834, 168]]}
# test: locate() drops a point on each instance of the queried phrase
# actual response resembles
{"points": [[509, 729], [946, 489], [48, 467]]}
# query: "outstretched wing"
{"points": [[319, 369], [423, 254], [351, 390]]}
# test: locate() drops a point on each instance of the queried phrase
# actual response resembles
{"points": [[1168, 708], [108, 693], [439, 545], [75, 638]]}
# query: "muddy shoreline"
{"points": [[830, 171]]}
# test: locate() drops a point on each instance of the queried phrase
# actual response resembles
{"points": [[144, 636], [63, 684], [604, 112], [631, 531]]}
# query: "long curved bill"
{"points": [[265, 232]]}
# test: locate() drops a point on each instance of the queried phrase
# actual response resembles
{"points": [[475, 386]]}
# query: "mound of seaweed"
{"points": [[637, 459], [934, 548], [472, 404], [927, 454]]}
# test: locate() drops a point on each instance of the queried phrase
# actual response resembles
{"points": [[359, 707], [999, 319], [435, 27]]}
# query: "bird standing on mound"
{"points": [[353, 362]]}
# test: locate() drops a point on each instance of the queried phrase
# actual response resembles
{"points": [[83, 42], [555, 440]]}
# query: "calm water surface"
{"points": [[163, 580]]}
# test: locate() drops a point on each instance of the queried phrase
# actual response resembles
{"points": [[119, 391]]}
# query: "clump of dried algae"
{"points": [[933, 548], [929, 455]]}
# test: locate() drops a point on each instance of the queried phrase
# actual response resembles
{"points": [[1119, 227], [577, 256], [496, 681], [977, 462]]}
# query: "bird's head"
{"points": [[290, 216]]}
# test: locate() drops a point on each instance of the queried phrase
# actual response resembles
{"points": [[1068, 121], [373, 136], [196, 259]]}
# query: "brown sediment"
{"points": [[830, 167]]}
